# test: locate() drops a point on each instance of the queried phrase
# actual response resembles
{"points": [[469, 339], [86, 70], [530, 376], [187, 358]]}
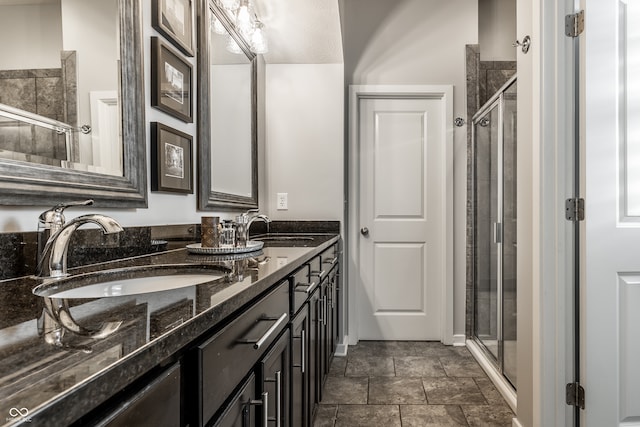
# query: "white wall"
{"points": [[90, 27], [304, 140], [31, 36], [418, 42], [497, 30]]}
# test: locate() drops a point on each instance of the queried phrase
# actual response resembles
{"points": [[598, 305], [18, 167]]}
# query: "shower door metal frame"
{"points": [[496, 99]]}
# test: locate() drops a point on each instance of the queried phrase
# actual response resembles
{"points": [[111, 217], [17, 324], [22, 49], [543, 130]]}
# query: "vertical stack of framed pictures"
{"points": [[172, 93]]}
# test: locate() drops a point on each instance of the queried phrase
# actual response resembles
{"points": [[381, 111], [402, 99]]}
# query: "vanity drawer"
{"points": [[329, 257], [229, 355], [302, 284]]}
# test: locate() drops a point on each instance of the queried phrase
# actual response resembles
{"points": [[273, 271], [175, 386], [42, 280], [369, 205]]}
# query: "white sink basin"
{"points": [[140, 285], [115, 283]]}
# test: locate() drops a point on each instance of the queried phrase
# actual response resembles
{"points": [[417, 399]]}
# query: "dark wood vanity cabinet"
{"points": [[264, 366], [315, 298]]}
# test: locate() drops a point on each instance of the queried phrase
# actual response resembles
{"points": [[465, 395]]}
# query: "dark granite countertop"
{"points": [[58, 382]]}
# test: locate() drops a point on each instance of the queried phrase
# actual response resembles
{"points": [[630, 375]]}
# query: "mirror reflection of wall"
{"points": [[230, 104], [62, 64], [231, 117]]}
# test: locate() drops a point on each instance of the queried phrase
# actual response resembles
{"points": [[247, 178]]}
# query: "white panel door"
{"points": [[611, 315], [402, 240]]}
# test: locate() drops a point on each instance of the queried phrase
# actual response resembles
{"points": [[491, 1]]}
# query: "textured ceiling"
{"points": [[301, 31]]}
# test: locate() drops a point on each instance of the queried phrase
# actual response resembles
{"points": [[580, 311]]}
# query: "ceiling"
{"points": [[301, 31]]}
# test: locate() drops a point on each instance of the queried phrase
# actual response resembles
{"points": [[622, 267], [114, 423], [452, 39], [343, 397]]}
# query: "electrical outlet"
{"points": [[282, 201]]}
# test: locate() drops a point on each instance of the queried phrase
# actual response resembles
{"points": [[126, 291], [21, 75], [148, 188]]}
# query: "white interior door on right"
{"points": [[401, 219], [611, 254]]}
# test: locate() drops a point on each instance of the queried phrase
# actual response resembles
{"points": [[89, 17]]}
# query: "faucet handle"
{"points": [[54, 216]]}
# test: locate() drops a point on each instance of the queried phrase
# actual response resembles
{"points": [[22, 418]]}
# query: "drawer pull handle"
{"points": [[321, 315], [302, 350], [260, 342], [330, 261], [320, 274], [303, 340], [278, 398], [307, 287], [278, 381], [326, 311], [265, 407]]}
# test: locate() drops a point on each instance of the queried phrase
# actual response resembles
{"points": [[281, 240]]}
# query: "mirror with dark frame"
{"points": [[227, 138], [70, 130]]}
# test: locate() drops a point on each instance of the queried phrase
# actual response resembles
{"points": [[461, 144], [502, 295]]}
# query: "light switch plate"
{"points": [[282, 201]]}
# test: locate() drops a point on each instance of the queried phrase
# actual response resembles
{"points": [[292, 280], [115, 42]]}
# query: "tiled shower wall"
{"points": [[48, 92], [484, 78]]}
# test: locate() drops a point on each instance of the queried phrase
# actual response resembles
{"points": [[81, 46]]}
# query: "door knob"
{"points": [[364, 231]]}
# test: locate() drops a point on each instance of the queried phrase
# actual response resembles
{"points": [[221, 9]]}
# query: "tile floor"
{"points": [[409, 384]]}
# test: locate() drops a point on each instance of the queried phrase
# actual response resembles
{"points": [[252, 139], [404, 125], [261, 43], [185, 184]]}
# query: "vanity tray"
{"points": [[252, 245]]}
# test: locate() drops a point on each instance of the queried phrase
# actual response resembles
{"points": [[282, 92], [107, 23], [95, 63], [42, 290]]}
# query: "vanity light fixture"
{"points": [[247, 24], [230, 5], [232, 45], [217, 26], [244, 20], [258, 40]]}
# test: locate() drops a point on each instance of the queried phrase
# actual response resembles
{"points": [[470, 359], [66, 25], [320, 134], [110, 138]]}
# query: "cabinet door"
{"points": [[274, 376], [241, 411], [324, 335], [158, 404], [333, 311], [314, 351], [300, 368]]}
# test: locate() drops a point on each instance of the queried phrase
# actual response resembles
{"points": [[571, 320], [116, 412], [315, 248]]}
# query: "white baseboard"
{"points": [[515, 422], [459, 340], [496, 377], [341, 348]]}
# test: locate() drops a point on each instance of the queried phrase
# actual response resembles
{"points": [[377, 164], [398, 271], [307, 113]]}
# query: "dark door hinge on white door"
{"points": [[574, 24], [574, 209], [575, 395]]}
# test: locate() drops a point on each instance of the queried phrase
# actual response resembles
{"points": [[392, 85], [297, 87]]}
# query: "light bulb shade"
{"points": [[233, 46], [244, 21], [259, 41], [216, 26], [231, 5]]}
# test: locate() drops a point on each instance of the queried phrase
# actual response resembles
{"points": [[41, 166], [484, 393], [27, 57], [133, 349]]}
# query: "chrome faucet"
{"points": [[53, 260], [243, 223], [51, 221]]}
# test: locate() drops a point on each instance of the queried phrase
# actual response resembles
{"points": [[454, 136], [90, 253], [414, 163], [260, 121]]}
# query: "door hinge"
{"points": [[575, 395], [574, 24], [574, 209]]}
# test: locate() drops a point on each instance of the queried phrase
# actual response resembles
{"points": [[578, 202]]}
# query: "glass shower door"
{"points": [[509, 244], [494, 230], [487, 259]]}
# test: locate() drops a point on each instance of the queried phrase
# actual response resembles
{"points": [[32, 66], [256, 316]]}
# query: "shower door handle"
{"points": [[497, 232]]}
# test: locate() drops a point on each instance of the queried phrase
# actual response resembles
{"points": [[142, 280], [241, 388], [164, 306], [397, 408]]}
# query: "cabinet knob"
{"points": [[364, 231]]}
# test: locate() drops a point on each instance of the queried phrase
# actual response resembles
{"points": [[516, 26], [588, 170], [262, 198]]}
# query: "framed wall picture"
{"points": [[171, 160], [174, 20], [171, 81]]}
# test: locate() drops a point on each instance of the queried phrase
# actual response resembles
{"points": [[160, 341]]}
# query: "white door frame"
{"points": [[545, 172], [357, 92]]}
